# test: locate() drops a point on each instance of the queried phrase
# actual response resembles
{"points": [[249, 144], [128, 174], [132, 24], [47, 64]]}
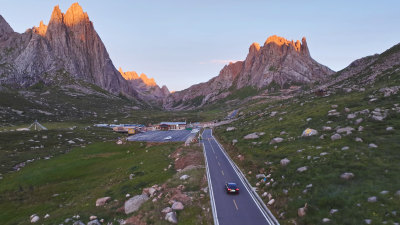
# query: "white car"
{"points": [[168, 138]]}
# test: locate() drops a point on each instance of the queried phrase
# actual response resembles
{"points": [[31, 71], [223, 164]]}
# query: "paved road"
{"points": [[158, 136], [230, 209]]}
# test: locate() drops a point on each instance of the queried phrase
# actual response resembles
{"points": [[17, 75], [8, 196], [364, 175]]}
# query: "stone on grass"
{"points": [[360, 128], [302, 211], [308, 119], [345, 148], [230, 128], [378, 118], [102, 201], [324, 128], [78, 223], [271, 202], [389, 128], [368, 221], [384, 192], [184, 177], [372, 199], [309, 132], [358, 121], [358, 139], [351, 116], [346, 130], [323, 153], [259, 176], [46, 216], [166, 210], [171, 217], [372, 145], [177, 206], [34, 218], [333, 211], [234, 141], [94, 222], [326, 220], [92, 217], [285, 161], [347, 176], [251, 136], [134, 203], [302, 169], [336, 137], [334, 106], [397, 193], [276, 140]]}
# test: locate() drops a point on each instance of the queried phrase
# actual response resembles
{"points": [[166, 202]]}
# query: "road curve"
{"points": [[241, 209]]}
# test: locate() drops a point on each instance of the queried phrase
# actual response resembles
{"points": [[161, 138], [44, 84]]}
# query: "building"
{"points": [[171, 126]]}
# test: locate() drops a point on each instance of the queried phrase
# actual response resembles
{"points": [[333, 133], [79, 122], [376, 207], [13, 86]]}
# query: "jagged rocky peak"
{"points": [[283, 42], [5, 28], [41, 30], [75, 15], [132, 75]]}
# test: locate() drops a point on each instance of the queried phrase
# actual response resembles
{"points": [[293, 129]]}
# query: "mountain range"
{"points": [[69, 50]]}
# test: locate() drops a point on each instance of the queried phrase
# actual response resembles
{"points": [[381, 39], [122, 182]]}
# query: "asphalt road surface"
{"points": [[230, 209], [158, 136]]}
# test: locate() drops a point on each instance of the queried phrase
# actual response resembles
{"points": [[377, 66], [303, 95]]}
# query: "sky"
{"points": [[185, 42]]}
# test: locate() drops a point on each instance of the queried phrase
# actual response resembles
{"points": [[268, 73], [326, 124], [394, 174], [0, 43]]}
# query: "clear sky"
{"points": [[181, 43]]}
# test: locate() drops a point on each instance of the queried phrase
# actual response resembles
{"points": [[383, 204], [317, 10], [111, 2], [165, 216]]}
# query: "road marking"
{"points": [[222, 173], [216, 157], [219, 164], [234, 202]]}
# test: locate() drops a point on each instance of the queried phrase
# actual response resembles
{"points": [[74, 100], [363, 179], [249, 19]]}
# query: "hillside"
{"points": [[345, 174]]}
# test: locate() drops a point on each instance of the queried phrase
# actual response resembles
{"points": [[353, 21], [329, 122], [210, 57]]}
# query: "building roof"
{"points": [[173, 123]]}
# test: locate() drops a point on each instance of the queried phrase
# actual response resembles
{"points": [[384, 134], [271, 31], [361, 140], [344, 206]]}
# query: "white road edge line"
{"points": [[241, 176], [212, 200]]}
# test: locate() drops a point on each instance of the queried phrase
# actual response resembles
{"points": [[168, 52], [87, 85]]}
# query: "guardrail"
{"points": [[254, 194]]}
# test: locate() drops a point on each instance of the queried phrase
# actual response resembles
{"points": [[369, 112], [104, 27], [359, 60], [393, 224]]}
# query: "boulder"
{"points": [[251, 136], [351, 116], [234, 141], [358, 121], [346, 130], [309, 132], [372, 145], [326, 220], [285, 161], [372, 199], [94, 222], [302, 169], [358, 139], [345, 148], [397, 193], [368, 221], [46, 216], [78, 223], [271, 202], [276, 140], [259, 176], [34, 218], [334, 106], [184, 177], [336, 137], [347, 176], [102, 201], [333, 211], [92, 217], [177, 206], [230, 128], [389, 128], [384, 192], [134, 203], [166, 210], [324, 128], [171, 217]]}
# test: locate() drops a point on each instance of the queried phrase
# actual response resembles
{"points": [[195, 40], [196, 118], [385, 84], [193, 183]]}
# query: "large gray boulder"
{"points": [[177, 206], [171, 217], [251, 136], [134, 203], [94, 222]]}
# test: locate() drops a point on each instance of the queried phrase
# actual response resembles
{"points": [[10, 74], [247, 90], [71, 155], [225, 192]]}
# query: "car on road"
{"points": [[231, 188], [168, 138]]}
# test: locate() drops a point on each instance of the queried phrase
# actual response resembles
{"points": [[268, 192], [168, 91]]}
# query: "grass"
{"points": [[375, 169], [79, 178]]}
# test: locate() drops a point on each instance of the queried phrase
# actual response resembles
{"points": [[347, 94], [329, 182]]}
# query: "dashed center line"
{"points": [[234, 202], [222, 173], [219, 164]]}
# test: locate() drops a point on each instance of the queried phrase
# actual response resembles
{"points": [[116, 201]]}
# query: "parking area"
{"points": [[159, 136]]}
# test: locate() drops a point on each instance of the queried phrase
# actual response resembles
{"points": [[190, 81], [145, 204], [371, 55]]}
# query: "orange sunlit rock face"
{"points": [[41, 30], [283, 41], [75, 15], [132, 75]]}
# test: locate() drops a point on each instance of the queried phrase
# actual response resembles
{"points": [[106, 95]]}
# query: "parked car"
{"points": [[231, 188], [168, 138]]}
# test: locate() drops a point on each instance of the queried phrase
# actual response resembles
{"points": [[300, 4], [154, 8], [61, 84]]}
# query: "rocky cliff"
{"points": [[66, 50], [146, 87], [279, 62]]}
